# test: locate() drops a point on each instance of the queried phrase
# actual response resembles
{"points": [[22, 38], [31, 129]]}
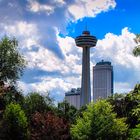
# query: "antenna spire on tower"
{"points": [[86, 26]]}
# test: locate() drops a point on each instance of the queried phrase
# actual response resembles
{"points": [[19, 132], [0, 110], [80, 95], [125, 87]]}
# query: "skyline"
{"points": [[46, 30]]}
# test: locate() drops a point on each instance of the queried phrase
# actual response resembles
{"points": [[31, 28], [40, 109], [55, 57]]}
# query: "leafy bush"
{"points": [[15, 123], [100, 123], [34, 102], [48, 126], [135, 133]]}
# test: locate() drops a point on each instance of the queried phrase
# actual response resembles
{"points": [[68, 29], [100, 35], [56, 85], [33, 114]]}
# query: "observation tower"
{"points": [[85, 41]]}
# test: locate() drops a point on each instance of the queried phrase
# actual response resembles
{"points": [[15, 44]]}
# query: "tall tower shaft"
{"points": [[85, 41]]}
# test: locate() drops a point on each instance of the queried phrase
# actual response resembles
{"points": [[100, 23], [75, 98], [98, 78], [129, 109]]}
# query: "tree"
{"points": [[100, 123], [48, 126], [35, 102], [119, 104], [132, 101], [127, 105], [135, 133], [67, 111], [12, 62], [136, 50], [14, 123], [9, 94]]}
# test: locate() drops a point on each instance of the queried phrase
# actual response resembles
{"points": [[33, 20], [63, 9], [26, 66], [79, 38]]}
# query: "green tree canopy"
{"points": [[135, 133], [9, 94], [15, 123], [12, 62], [100, 123], [67, 111], [35, 102], [127, 105], [136, 50]]}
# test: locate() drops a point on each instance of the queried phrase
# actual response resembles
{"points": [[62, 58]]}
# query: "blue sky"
{"points": [[46, 30]]}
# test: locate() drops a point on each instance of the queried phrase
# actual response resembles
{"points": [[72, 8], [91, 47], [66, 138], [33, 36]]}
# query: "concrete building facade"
{"points": [[102, 80], [73, 97]]}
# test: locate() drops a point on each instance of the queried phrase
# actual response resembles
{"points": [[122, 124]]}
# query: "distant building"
{"points": [[102, 80], [73, 97]]}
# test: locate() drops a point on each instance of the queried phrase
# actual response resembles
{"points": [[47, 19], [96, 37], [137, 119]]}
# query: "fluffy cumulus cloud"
{"points": [[68, 69], [115, 48], [49, 84], [118, 49], [26, 33], [54, 62], [44, 59], [89, 8], [73, 10], [34, 6]]}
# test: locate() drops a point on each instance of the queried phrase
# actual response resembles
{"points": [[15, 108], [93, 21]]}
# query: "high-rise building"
{"points": [[73, 97], [102, 80], [85, 41]]}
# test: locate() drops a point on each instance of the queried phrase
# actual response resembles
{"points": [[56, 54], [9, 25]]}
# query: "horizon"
{"points": [[46, 30]]}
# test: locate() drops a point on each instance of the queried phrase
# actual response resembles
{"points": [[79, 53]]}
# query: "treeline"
{"points": [[116, 118], [36, 117], [33, 117]]}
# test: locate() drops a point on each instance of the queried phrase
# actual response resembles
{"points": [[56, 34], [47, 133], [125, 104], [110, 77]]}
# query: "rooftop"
{"points": [[73, 91], [104, 63]]}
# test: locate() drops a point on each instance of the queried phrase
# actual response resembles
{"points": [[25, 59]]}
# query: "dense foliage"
{"points": [[48, 126], [128, 106], [35, 117], [12, 62], [66, 111], [99, 122], [15, 123], [136, 50], [34, 102]]}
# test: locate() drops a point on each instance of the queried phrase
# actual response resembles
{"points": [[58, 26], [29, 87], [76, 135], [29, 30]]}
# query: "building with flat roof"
{"points": [[73, 97], [102, 80]]}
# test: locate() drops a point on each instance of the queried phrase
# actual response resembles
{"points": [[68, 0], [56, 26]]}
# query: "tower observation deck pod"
{"points": [[85, 41]]}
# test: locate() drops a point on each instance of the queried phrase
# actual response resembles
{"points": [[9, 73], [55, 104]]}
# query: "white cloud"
{"points": [[77, 8], [89, 8], [43, 58], [60, 2], [46, 60], [118, 49], [48, 84], [72, 53], [122, 87], [35, 6], [21, 28], [26, 33], [115, 48]]}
